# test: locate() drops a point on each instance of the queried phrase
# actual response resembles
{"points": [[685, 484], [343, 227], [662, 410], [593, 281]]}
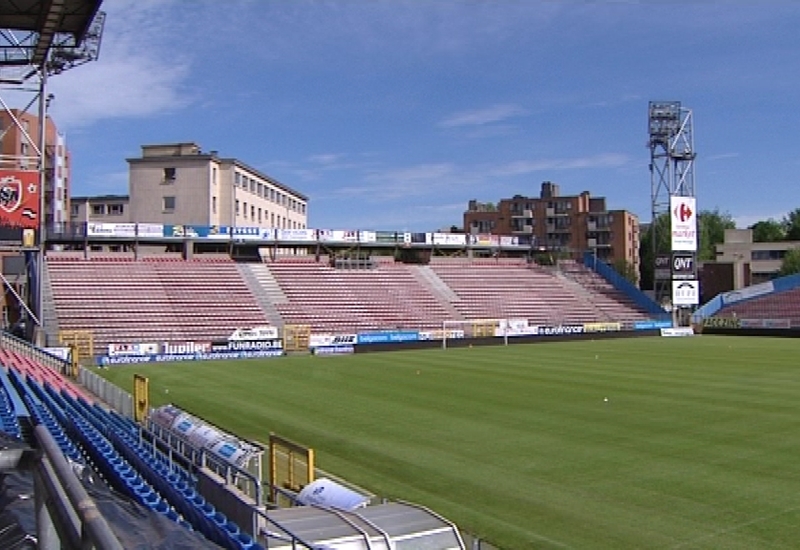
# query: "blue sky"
{"points": [[393, 114]]}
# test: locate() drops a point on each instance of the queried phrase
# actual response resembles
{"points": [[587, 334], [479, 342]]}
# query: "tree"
{"points": [[791, 262], [768, 231], [711, 226], [627, 270], [792, 225]]}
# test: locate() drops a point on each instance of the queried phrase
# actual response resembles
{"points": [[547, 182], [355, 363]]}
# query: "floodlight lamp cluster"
{"points": [[65, 54]]}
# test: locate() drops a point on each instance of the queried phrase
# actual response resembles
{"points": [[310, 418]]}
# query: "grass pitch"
{"points": [[698, 445]]}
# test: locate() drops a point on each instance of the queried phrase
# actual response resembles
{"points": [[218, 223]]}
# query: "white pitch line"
{"points": [[736, 527]]}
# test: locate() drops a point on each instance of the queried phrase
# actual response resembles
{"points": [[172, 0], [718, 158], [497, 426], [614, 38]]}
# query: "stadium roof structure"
{"points": [[51, 34]]}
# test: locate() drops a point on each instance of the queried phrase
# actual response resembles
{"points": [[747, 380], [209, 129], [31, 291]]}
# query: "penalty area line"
{"points": [[736, 527]]}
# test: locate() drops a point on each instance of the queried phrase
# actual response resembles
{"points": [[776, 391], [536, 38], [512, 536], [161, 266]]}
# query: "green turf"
{"points": [[697, 447]]}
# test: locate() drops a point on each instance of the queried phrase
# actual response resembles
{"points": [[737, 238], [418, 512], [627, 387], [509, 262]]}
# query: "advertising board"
{"points": [[333, 350], [559, 330], [449, 239], [678, 331], [388, 337], [683, 224], [685, 293], [662, 267], [684, 266], [296, 235], [651, 325], [319, 340], [117, 230], [602, 327], [19, 198]]}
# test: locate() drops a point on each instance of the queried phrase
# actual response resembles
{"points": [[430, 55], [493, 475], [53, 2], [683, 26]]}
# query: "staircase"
{"points": [[582, 294], [426, 277], [265, 288], [49, 318]]}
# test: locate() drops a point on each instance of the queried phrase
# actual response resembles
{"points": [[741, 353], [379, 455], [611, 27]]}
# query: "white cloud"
{"points": [[137, 74], [324, 158], [480, 117], [520, 167], [722, 156]]}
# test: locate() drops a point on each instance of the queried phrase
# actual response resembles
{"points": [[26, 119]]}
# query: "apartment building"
{"points": [[100, 209], [181, 184], [573, 224], [19, 141]]}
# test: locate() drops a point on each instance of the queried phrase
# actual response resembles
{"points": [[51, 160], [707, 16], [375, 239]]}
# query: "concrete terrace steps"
{"points": [[581, 292], [429, 279], [265, 288]]}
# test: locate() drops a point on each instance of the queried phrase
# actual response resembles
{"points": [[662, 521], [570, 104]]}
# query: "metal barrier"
{"points": [[66, 517], [11, 342], [111, 394]]}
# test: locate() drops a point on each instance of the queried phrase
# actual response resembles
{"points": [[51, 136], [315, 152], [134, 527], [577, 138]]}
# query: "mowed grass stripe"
{"points": [[698, 438]]}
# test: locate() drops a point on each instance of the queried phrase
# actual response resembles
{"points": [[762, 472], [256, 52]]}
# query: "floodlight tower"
{"points": [[37, 40], [672, 159]]}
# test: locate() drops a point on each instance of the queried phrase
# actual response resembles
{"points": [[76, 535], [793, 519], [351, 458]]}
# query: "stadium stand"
{"points": [[159, 298], [167, 299], [335, 300], [784, 306], [610, 303]]}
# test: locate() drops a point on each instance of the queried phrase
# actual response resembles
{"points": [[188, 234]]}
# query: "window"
{"points": [[252, 212], [238, 178], [214, 175], [259, 215], [272, 217], [75, 210], [98, 209], [252, 185], [169, 174], [272, 194], [213, 205], [245, 211], [260, 189], [115, 209], [237, 207], [169, 204]]}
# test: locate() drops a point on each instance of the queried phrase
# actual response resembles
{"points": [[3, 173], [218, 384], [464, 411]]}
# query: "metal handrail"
{"points": [[94, 528]]}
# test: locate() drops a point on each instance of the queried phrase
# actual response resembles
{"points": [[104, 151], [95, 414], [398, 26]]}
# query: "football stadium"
{"points": [[267, 385]]}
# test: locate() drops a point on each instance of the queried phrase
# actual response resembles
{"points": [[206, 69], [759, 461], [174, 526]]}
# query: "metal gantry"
{"points": [[38, 39], [672, 160]]}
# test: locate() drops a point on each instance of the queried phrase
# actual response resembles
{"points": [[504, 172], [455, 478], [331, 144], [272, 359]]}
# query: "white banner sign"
{"points": [[323, 340], [683, 223], [367, 236], [150, 230], [254, 334], [302, 235], [111, 230], [338, 236], [115, 350], [509, 241], [685, 293], [679, 331], [452, 239]]}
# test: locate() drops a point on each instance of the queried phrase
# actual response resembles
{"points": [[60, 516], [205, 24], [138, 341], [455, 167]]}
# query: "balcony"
{"points": [[525, 230], [522, 214]]}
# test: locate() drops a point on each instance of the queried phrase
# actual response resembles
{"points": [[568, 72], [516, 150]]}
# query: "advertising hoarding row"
{"points": [[101, 230]]}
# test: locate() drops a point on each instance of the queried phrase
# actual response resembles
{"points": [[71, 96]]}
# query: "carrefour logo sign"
{"points": [[683, 224]]}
